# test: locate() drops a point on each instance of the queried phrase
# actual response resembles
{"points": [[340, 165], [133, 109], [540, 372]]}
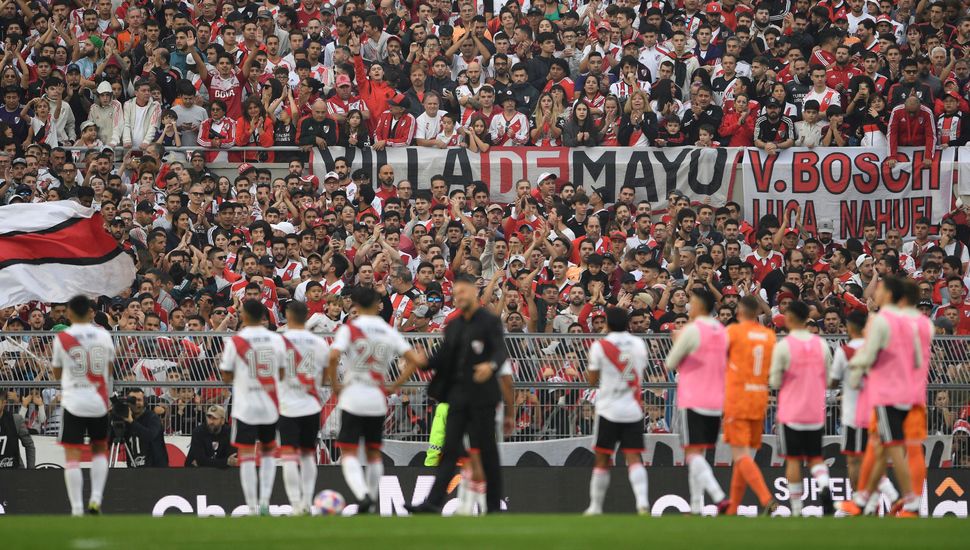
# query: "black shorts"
{"points": [[300, 432], [854, 440], [246, 435], [74, 428], [353, 427], [889, 424], [698, 430], [629, 435], [800, 443]]}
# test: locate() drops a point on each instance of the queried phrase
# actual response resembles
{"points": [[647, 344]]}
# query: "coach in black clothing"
{"points": [[210, 445], [469, 376]]}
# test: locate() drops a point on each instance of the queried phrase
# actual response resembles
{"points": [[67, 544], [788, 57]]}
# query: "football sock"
{"points": [[821, 474], [738, 487], [308, 477], [796, 492], [695, 485], [887, 488], [707, 479], [752, 476], [597, 487], [99, 476], [247, 478], [354, 476], [638, 481], [291, 481], [75, 486], [267, 475], [375, 470], [917, 466]]}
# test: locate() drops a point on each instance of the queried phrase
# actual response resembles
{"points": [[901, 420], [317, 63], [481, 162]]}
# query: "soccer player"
{"points": [[616, 364], [750, 346], [251, 361], [82, 358], [891, 354], [300, 406], [367, 345], [854, 435], [699, 354], [799, 370], [914, 428]]}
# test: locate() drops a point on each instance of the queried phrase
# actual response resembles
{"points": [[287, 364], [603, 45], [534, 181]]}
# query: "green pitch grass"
{"points": [[504, 532]]}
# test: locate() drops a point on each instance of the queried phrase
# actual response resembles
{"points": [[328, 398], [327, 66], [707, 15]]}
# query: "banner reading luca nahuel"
{"points": [[849, 186], [705, 175]]}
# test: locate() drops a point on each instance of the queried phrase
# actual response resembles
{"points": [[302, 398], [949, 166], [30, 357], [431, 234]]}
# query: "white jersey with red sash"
{"points": [[290, 271], [84, 353], [509, 131], [825, 98], [367, 346], [337, 106], [622, 89], [949, 127], [255, 356], [620, 358], [306, 355], [401, 305]]}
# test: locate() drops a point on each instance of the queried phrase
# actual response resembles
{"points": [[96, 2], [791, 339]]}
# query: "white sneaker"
{"points": [[644, 511], [593, 511]]}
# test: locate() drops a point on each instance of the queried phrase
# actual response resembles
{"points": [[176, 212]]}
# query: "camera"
{"points": [[120, 409]]}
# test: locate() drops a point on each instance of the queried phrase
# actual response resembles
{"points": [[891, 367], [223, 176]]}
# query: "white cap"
{"points": [[104, 88], [546, 175], [517, 257], [861, 260], [286, 227], [333, 175]]}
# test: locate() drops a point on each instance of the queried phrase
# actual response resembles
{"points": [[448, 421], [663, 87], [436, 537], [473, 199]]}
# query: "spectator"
{"points": [[143, 437], [15, 433], [142, 115], [774, 132], [738, 122], [255, 129], [911, 124], [210, 446], [107, 115]]}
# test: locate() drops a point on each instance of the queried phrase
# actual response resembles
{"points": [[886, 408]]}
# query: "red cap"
{"points": [[778, 320], [954, 95], [713, 7], [603, 25], [883, 18], [245, 167], [618, 235], [729, 291], [343, 80], [782, 295]]}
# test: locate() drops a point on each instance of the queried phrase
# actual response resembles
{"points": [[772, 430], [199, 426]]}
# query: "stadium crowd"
{"points": [[85, 83]]}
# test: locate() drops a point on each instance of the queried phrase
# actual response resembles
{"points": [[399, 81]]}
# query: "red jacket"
{"points": [[911, 129], [227, 136], [402, 133], [244, 137], [741, 135], [373, 94]]}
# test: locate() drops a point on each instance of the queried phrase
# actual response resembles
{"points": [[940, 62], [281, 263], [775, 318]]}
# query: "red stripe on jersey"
{"points": [[355, 332], [613, 354], [308, 383], [268, 382], [69, 342]]}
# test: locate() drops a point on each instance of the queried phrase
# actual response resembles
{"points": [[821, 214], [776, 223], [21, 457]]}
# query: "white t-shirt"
{"points": [[367, 345], [85, 352], [254, 355], [620, 358], [428, 127], [840, 371], [306, 355]]}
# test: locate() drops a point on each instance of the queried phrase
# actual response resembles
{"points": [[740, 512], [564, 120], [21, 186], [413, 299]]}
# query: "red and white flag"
{"points": [[53, 251]]}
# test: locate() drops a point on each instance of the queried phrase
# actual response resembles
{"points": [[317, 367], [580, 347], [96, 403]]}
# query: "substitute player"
{"points": [[891, 354], [914, 428], [616, 364], [800, 367], [82, 357], [854, 435], [699, 354], [750, 346], [367, 345], [300, 406], [251, 361]]}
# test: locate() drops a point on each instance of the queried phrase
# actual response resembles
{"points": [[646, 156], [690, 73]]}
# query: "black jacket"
{"points": [[146, 442], [467, 343], [209, 450], [311, 129]]}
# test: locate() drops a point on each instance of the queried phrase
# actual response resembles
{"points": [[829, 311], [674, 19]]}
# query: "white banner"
{"points": [[849, 186], [705, 175]]}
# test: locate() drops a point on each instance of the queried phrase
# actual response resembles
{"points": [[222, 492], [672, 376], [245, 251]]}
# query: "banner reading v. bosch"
{"points": [[704, 174], [849, 187]]}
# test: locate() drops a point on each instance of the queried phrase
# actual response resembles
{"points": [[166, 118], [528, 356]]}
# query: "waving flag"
{"points": [[53, 251]]}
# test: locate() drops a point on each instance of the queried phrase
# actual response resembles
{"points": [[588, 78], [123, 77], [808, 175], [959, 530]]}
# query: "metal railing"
{"points": [[179, 373]]}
